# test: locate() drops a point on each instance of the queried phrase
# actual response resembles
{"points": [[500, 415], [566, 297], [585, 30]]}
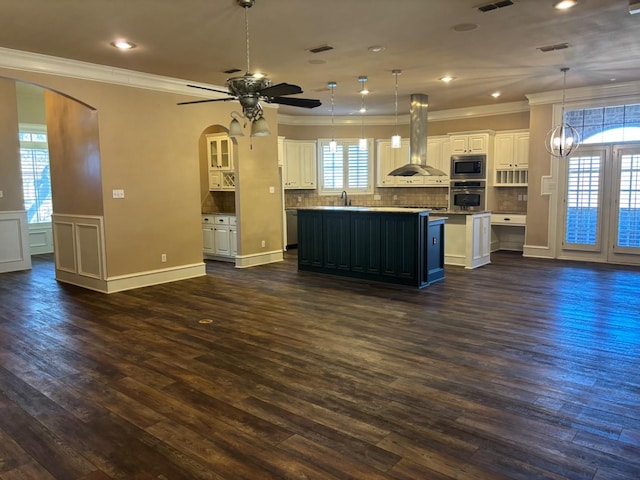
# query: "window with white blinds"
{"points": [[583, 200], [36, 179], [349, 168], [629, 202]]}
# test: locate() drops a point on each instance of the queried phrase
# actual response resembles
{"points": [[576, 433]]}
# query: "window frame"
{"points": [[345, 143], [34, 145]]}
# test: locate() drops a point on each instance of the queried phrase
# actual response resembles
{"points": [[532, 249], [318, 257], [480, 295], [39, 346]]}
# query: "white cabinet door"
{"points": [[521, 149], [471, 143], [439, 156], [299, 170], [208, 240], [221, 233], [512, 150], [391, 158], [233, 240], [220, 152], [504, 151]]}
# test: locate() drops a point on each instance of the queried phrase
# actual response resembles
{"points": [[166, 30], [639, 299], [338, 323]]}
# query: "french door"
{"points": [[599, 217]]}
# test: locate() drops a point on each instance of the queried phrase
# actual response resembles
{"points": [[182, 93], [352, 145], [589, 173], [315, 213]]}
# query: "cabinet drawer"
{"points": [[232, 220], [508, 219], [208, 219], [221, 219]]}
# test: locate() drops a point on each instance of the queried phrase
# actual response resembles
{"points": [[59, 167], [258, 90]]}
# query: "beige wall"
{"points": [[74, 156], [150, 147], [10, 176], [539, 166]]}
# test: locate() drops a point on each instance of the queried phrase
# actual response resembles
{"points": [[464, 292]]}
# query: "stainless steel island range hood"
{"points": [[418, 141]]}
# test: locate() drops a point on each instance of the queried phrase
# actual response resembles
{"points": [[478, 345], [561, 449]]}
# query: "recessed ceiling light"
{"points": [[123, 44], [565, 4], [375, 48], [495, 94], [447, 78]]}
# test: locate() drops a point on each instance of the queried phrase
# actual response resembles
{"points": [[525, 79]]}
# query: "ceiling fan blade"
{"points": [[280, 89], [297, 102], [209, 89], [208, 100]]}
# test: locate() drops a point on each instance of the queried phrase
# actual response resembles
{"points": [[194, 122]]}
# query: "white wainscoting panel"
{"points": [[79, 251], [14, 242], [40, 238]]}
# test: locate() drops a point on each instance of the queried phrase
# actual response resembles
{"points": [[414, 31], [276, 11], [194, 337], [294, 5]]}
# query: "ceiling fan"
{"points": [[250, 89]]}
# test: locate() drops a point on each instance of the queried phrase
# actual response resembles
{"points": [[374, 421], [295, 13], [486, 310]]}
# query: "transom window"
{"points": [[616, 124], [349, 168]]}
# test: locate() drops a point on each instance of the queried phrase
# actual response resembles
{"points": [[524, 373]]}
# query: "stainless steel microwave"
{"points": [[468, 167]]}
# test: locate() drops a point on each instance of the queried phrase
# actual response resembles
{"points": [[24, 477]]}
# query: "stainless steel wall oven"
{"points": [[468, 195]]}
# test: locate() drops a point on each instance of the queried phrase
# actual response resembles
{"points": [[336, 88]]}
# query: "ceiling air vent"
{"points": [[495, 5], [321, 48], [551, 48]]}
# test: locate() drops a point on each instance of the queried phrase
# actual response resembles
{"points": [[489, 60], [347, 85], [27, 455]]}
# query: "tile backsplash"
{"points": [[388, 197]]}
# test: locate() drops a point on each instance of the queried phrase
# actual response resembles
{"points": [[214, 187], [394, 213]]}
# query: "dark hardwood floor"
{"points": [[522, 369]]}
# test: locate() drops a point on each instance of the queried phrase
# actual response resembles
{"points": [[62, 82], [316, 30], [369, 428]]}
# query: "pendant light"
{"points": [[562, 140], [363, 144], [396, 139], [333, 145]]}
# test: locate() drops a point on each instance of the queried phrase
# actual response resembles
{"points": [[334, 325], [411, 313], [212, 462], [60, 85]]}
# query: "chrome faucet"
{"points": [[343, 195]]}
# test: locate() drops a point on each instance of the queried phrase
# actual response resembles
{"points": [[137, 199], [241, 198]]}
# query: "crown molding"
{"points": [[38, 63], [628, 89], [438, 116]]}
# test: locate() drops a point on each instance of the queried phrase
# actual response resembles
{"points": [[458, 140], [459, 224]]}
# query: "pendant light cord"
{"points": [[246, 22], [396, 73], [564, 89]]}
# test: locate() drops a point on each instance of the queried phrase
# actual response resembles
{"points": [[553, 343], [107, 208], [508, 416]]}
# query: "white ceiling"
{"points": [[197, 40]]}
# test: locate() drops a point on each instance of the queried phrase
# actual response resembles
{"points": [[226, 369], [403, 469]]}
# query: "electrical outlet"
{"points": [[377, 197], [264, 244], [299, 199], [272, 189], [163, 257], [118, 193], [395, 197], [1, 194]]}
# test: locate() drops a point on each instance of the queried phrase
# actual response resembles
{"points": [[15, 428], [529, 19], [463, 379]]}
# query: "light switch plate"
{"points": [[118, 193]]}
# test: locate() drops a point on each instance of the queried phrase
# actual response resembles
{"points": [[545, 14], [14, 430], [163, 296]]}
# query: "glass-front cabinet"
{"points": [[220, 152]]}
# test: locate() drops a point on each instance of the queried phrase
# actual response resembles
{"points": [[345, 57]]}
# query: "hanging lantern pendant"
{"points": [[562, 140]]}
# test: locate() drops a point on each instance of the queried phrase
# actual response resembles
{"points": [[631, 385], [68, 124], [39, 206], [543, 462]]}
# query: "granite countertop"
{"points": [[337, 208]]}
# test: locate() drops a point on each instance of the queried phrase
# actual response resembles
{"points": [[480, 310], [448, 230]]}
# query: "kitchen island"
{"points": [[387, 244], [468, 238]]}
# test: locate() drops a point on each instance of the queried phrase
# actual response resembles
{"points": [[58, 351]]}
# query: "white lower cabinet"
{"points": [[219, 236]]}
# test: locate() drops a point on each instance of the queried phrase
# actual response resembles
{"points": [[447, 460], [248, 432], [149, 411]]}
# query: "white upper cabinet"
{"points": [[299, 169], [469, 143], [439, 156], [512, 150], [220, 152], [391, 158]]}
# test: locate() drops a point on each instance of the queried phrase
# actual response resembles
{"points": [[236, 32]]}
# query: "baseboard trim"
{"points": [[245, 261], [136, 280], [536, 251]]}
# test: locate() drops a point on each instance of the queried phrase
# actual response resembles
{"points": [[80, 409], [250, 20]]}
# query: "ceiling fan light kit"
{"points": [[250, 89]]}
